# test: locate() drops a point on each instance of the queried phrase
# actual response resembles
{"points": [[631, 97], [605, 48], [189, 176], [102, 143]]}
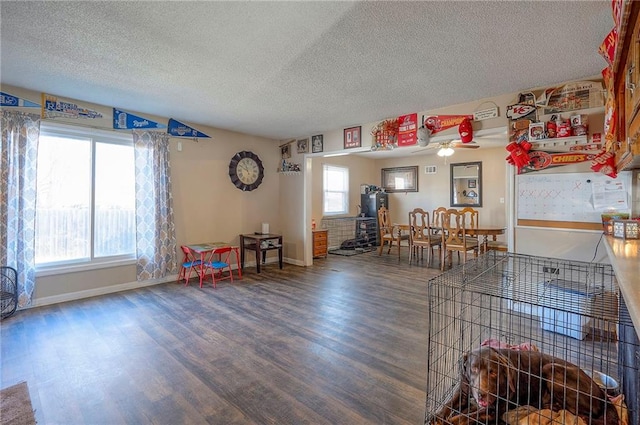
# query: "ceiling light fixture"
{"points": [[445, 151]]}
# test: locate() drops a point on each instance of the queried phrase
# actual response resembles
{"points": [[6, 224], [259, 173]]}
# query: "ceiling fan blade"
{"points": [[470, 145]]}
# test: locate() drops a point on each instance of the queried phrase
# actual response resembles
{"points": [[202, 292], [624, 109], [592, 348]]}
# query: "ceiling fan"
{"points": [[446, 147]]}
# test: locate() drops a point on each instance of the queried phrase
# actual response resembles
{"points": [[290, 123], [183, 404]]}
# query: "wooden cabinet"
{"points": [[320, 243], [632, 98], [626, 73]]}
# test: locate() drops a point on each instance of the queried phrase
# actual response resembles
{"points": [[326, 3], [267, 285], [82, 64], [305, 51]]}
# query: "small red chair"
{"points": [[189, 264], [218, 267]]}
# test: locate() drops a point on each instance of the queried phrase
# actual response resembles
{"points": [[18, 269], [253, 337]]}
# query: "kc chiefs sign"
{"points": [[541, 160], [438, 123]]}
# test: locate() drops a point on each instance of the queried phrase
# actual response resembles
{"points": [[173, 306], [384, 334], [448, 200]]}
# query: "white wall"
{"points": [[208, 207]]}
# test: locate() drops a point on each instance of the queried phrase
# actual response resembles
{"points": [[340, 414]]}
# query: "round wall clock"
{"points": [[246, 170]]}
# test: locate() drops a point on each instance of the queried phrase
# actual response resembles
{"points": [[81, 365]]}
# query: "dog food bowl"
{"points": [[605, 382]]}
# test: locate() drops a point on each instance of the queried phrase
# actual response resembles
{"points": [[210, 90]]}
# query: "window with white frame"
{"points": [[85, 211], [335, 189]]}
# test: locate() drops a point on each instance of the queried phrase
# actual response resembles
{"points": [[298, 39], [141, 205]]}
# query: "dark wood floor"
{"points": [[342, 342]]}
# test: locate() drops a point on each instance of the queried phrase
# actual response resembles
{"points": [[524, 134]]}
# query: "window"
{"points": [[336, 190], [86, 196]]}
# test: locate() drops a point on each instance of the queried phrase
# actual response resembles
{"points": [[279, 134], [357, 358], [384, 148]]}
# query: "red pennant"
{"points": [[438, 123], [605, 163]]}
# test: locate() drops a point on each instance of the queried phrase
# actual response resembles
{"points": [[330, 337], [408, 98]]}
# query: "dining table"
{"points": [[483, 231], [209, 249]]}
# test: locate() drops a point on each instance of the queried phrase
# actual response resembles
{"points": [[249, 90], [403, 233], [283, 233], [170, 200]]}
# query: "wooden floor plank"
{"points": [[342, 342]]}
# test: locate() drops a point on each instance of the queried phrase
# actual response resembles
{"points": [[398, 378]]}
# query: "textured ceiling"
{"points": [[292, 69]]}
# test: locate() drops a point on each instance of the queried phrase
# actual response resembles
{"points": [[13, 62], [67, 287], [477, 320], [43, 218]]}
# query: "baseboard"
{"points": [[104, 290], [88, 293]]}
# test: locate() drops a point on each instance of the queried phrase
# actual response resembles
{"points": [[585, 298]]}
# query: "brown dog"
{"points": [[494, 381]]}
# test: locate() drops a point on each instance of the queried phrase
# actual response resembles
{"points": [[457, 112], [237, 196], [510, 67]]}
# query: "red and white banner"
{"points": [[608, 47], [438, 123], [407, 128]]}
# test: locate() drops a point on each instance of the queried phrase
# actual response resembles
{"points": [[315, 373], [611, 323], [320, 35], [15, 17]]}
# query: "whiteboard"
{"points": [[563, 196]]}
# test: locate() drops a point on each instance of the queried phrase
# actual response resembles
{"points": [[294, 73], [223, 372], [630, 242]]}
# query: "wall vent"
{"points": [[429, 169]]}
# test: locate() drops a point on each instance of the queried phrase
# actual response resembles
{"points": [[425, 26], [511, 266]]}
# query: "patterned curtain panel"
{"points": [[19, 150], [155, 228]]}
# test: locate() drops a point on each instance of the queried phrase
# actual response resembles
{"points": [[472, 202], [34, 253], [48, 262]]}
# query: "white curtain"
{"points": [[155, 228], [19, 150]]}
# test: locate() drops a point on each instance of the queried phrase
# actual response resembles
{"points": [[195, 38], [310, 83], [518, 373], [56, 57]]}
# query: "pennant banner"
{"points": [[127, 121], [519, 110], [438, 123], [178, 129], [407, 128], [541, 160], [9, 100], [56, 107]]}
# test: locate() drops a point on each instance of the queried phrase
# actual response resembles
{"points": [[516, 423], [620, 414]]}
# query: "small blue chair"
{"points": [[218, 267], [189, 264]]}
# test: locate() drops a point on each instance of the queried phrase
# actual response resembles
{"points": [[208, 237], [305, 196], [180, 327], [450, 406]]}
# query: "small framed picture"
{"points": [[400, 179], [472, 183], [317, 144], [285, 151], [536, 131], [303, 145], [352, 137]]}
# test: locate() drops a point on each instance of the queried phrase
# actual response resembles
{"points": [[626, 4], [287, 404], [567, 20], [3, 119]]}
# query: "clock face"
{"points": [[246, 170]]}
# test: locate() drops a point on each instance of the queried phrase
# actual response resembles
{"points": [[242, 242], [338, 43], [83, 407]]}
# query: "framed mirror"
{"points": [[466, 184]]}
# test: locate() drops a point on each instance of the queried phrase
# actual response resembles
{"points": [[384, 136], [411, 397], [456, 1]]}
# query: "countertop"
{"points": [[625, 259]]}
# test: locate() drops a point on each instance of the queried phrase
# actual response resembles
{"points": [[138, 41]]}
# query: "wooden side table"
{"points": [[260, 243], [320, 240]]}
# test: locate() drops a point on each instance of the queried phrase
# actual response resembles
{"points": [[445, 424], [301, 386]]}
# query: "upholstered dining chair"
{"points": [[388, 233], [437, 220], [421, 235], [218, 266], [437, 217], [189, 264], [471, 219], [497, 246], [454, 237]]}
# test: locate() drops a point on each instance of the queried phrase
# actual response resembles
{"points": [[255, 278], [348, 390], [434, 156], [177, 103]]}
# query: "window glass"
{"points": [[114, 200], [86, 201], [336, 190]]}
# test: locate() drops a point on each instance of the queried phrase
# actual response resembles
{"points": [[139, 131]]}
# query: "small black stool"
{"points": [[9, 291]]}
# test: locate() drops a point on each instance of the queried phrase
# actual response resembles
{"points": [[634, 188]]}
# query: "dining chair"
{"points": [[497, 246], [471, 220], [388, 234], [454, 237], [437, 219], [471, 217], [217, 267], [421, 235], [189, 264]]}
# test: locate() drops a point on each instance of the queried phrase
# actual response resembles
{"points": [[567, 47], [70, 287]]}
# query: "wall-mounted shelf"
{"points": [[288, 173], [561, 144]]}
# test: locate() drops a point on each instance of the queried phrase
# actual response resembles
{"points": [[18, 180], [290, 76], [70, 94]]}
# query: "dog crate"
{"points": [[562, 308]]}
